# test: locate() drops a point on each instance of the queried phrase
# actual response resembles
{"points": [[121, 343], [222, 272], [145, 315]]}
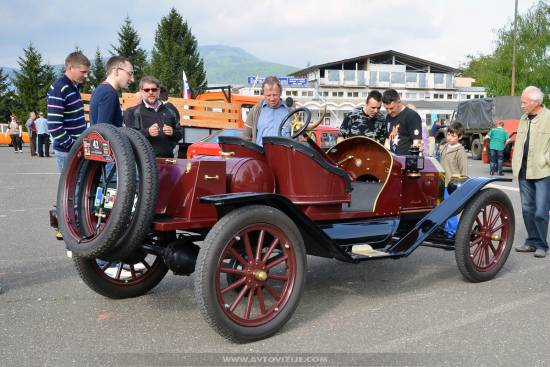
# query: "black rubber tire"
{"points": [[464, 234], [146, 191], [477, 149], [75, 168], [211, 251], [101, 283]]}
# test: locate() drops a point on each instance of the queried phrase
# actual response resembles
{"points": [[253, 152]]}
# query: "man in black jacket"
{"points": [[156, 121]]}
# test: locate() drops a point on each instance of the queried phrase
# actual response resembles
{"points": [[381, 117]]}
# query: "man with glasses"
{"points": [[65, 107], [154, 119], [104, 104]]}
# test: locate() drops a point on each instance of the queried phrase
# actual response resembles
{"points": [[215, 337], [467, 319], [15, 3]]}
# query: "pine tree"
{"points": [[32, 82], [97, 73], [128, 46], [175, 50], [6, 96]]}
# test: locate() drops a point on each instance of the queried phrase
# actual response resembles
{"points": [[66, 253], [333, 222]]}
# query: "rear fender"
{"points": [[448, 208], [316, 241]]}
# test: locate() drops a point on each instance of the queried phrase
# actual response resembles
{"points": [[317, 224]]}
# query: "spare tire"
{"points": [[145, 200], [96, 191]]}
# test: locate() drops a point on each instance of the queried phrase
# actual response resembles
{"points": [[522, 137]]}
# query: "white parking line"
{"points": [[502, 187], [37, 173], [22, 210]]}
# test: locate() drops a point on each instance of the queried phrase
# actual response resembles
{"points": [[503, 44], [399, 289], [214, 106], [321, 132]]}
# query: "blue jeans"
{"points": [[451, 225], [535, 205], [60, 160], [497, 160]]}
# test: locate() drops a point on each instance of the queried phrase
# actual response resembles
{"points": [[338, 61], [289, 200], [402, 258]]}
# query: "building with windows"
{"points": [[434, 89]]}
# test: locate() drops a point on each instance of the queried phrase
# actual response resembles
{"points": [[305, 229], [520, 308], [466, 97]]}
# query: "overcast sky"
{"points": [[292, 32]]}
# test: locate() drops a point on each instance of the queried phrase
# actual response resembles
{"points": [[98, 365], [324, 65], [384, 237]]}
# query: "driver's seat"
{"points": [[303, 175]]}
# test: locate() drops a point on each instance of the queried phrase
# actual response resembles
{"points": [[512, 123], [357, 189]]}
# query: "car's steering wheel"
{"points": [[293, 124]]}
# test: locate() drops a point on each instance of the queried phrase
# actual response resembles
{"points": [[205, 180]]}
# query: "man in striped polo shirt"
{"points": [[65, 107]]}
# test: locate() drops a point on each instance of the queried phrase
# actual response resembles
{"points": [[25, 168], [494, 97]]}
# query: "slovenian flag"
{"points": [[186, 90]]}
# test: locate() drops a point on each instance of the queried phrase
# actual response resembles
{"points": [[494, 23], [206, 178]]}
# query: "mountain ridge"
{"points": [[223, 65]]}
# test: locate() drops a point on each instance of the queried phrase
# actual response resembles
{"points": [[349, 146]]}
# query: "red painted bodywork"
{"points": [[317, 191], [302, 180]]}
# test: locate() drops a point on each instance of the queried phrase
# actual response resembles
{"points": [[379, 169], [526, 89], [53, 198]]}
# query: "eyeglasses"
{"points": [[149, 90], [131, 73]]}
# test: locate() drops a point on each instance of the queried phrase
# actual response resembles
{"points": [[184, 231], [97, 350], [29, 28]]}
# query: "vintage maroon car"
{"points": [[244, 222]]}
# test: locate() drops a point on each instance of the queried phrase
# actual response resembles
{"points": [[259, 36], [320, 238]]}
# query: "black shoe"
{"points": [[501, 174]]}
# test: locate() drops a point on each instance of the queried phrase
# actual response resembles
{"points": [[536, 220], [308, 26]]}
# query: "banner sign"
{"points": [[286, 81]]}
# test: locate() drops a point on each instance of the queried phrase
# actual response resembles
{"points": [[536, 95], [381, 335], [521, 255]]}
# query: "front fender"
{"points": [[449, 207], [316, 241]]}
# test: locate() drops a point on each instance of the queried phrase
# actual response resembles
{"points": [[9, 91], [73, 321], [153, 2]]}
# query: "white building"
{"points": [[344, 84]]}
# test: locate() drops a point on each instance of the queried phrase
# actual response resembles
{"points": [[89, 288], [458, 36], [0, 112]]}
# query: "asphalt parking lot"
{"points": [[417, 311]]}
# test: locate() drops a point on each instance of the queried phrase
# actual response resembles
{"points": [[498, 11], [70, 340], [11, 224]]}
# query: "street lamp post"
{"points": [[513, 92]]}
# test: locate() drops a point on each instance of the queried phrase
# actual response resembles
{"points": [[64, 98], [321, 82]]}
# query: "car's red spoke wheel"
{"points": [[250, 273], [489, 235], [485, 234], [262, 281], [117, 280]]}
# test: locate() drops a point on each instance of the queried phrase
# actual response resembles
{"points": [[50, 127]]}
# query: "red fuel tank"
{"points": [[249, 175]]}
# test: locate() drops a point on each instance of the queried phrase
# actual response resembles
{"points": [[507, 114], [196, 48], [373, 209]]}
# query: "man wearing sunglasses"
{"points": [[104, 104], [154, 119]]}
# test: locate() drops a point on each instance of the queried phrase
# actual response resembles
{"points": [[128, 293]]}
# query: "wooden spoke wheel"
{"points": [[250, 273], [117, 280], [485, 235]]}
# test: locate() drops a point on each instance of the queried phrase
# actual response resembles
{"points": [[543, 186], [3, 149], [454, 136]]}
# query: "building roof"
{"points": [[384, 57]]}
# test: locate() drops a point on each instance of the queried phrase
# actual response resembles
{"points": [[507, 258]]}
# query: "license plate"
{"points": [[109, 199]]}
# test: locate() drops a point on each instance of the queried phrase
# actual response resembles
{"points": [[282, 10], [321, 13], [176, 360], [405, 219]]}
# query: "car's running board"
{"points": [[367, 250], [364, 252]]}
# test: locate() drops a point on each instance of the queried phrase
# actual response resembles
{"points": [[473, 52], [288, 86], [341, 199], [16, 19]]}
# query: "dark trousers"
{"points": [[33, 143], [43, 144], [17, 142], [497, 160]]}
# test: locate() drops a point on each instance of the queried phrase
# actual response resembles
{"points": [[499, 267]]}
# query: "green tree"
{"points": [[31, 82], [128, 46], [97, 73], [6, 96], [175, 50], [494, 71]]}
